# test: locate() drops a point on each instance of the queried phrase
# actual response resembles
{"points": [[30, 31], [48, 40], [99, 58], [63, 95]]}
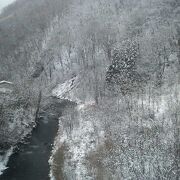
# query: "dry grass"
{"points": [[95, 161], [58, 163]]}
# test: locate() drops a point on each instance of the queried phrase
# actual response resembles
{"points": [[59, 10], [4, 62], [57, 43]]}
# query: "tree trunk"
{"points": [[38, 105]]}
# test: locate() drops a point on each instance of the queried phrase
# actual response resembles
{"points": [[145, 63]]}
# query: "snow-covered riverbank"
{"points": [[79, 132], [4, 159]]}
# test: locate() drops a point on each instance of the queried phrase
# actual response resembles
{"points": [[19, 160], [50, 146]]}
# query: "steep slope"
{"points": [[119, 61]]}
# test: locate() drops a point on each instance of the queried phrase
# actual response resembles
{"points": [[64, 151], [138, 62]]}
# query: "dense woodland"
{"points": [[126, 54]]}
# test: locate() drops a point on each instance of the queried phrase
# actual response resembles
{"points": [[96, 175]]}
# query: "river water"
{"points": [[30, 162]]}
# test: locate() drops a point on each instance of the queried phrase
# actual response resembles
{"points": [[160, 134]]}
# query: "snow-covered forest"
{"points": [[118, 62]]}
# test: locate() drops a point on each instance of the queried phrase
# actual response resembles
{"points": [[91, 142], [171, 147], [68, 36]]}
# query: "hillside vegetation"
{"points": [[120, 60]]}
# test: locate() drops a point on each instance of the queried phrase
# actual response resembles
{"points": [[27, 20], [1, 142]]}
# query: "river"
{"points": [[30, 161]]}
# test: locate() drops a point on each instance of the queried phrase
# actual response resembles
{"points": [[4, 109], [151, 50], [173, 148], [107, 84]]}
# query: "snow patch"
{"points": [[6, 82], [64, 90], [4, 160]]}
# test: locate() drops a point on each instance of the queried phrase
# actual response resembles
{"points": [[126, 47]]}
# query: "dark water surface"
{"points": [[30, 162]]}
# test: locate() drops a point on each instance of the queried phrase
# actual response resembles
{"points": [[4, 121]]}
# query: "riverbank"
{"points": [[4, 158], [30, 159], [79, 133]]}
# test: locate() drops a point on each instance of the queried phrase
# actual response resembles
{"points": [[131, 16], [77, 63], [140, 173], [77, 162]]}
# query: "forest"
{"points": [[118, 62]]}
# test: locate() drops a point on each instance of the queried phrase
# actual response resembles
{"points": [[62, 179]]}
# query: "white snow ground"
{"points": [[80, 140], [64, 90], [4, 159]]}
